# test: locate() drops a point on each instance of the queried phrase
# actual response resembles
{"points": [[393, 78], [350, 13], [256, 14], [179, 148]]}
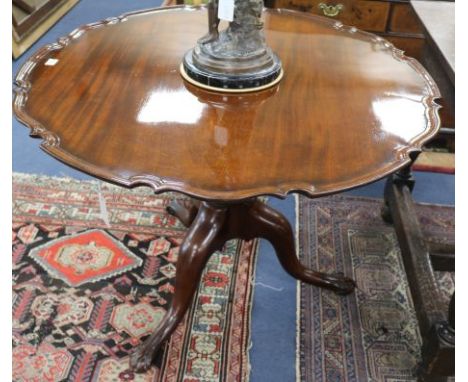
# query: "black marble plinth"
{"points": [[237, 81]]}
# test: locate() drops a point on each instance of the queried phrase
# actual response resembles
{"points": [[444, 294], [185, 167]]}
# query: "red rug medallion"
{"points": [[85, 257]]}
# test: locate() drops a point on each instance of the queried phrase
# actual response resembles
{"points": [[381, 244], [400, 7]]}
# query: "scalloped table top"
{"points": [[109, 100]]}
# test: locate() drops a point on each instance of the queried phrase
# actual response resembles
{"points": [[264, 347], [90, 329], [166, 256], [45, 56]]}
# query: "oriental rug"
{"points": [[372, 334], [93, 273]]}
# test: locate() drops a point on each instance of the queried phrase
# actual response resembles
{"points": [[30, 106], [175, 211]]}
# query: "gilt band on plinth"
{"points": [[236, 58]]}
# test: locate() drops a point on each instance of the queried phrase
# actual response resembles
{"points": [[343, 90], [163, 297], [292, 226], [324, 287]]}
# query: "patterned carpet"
{"points": [[372, 334], [93, 272]]}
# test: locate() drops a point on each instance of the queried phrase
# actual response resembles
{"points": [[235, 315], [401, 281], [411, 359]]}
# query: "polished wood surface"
{"points": [[211, 225], [109, 100]]}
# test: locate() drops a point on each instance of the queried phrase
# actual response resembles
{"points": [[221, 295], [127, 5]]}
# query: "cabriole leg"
{"points": [[271, 225], [201, 241], [213, 225]]}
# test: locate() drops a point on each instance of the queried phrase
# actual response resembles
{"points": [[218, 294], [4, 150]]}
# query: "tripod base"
{"points": [[211, 225]]}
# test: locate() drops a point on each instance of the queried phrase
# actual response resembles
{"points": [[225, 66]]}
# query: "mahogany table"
{"points": [[108, 99]]}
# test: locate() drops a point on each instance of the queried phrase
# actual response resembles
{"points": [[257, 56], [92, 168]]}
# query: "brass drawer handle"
{"points": [[330, 10]]}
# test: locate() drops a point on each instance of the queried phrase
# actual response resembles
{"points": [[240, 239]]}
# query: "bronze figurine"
{"points": [[237, 57]]}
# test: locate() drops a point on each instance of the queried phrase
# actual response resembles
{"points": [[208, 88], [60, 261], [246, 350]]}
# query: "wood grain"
{"points": [[404, 20], [364, 14], [349, 110]]}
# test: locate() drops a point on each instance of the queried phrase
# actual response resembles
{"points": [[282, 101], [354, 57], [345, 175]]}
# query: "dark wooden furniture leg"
{"points": [[269, 224], [201, 241], [438, 349], [213, 225]]}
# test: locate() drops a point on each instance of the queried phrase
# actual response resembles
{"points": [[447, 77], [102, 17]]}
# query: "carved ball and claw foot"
{"points": [[336, 282], [211, 225]]}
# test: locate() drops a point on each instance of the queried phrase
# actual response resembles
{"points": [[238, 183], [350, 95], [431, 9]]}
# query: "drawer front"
{"points": [[363, 14], [404, 20]]}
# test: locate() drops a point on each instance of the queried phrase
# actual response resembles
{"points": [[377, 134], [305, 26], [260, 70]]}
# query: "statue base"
{"points": [[238, 80]]}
